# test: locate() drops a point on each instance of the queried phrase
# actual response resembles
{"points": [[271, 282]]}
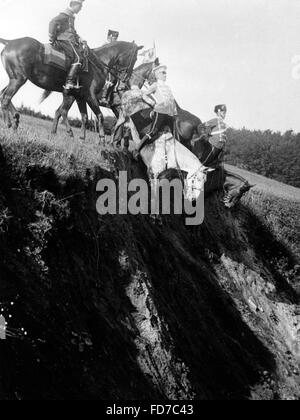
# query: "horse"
{"points": [[187, 126], [139, 76], [166, 153], [195, 136], [233, 185], [23, 59]]}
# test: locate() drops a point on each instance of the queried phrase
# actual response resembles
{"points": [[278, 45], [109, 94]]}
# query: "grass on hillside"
{"points": [[59, 151], [277, 205], [267, 185]]}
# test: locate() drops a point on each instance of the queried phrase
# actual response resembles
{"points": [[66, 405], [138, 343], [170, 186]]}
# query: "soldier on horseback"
{"points": [[164, 107], [63, 36]]}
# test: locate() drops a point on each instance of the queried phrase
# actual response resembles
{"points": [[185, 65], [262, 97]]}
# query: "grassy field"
{"points": [[268, 186], [56, 151], [33, 130]]}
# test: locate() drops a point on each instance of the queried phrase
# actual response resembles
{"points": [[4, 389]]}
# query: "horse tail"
{"points": [[45, 95], [4, 41]]}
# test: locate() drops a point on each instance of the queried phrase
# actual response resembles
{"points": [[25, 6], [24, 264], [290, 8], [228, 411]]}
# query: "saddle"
{"points": [[132, 102], [56, 58], [59, 59]]}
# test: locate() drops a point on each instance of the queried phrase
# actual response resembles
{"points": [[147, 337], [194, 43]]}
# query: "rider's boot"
{"points": [[72, 79], [105, 94]]}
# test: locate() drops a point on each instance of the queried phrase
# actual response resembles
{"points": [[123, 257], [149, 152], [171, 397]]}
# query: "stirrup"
{"points": [[69, 86]]}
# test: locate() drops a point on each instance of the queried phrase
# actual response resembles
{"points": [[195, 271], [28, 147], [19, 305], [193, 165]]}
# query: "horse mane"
{"points": [[113, 44], [153, 64], [140, 67]]}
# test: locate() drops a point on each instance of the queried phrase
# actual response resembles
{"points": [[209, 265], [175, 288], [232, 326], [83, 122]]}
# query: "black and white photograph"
{"points": [[150, 203]]}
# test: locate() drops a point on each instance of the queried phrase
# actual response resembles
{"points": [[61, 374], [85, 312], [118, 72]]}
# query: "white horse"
{"points": [[168, 153]]}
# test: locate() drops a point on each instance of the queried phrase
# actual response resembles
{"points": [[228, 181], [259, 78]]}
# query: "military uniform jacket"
{"points": [[218, 133], [164, 99], [62, 28]]}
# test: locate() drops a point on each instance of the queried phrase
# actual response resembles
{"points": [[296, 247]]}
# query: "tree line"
{"points": [[267, 153]]}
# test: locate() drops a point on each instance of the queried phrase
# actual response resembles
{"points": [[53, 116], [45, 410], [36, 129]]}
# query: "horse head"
{"points": [[125, 58], [152, 78], [143, 73]]}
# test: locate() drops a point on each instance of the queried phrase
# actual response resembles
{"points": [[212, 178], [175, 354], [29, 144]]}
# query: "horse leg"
{"points": [[84, 117], [127, 137], [4, 113], [63, 111], [93, 104], [65, 108], [116, 111], [57, 116], [7, 94], [15, 116]]}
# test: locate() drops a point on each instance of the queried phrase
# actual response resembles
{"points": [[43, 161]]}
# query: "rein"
{"points": [[98, 63], [126, 69]]}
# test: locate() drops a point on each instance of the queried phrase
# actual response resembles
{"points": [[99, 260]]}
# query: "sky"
{"points": [[239, 52]]}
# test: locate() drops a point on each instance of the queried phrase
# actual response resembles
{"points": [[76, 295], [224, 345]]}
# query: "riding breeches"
{"points": [[160, 122]]}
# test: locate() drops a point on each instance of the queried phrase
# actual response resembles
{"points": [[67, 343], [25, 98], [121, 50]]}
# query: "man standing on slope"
{"points": [[63, 35], [217, 134]]}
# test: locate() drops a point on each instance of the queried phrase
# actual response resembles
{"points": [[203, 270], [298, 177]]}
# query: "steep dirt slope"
{"points": [[129, 307]]}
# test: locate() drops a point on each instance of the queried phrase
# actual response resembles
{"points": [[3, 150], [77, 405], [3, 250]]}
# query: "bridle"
{"points": [[126, 70], [144, 79], [120, 73], [125, 86]]}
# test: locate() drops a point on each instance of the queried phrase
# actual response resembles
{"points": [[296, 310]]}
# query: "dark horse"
{"points": [[139, 76], [23, 60], [188, 126], [195, 136]]}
